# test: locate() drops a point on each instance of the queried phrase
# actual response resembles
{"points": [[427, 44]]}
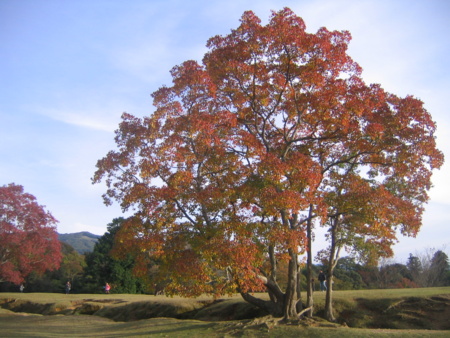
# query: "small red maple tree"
{"points": [[29, 242], [275, 131]]}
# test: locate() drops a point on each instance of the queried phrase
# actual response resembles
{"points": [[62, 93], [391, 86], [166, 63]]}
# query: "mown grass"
{"points": [[319, 297], [360, 306], [93, 326]]}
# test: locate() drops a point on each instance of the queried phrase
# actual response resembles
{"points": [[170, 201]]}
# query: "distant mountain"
{"points": [[82, 242]]}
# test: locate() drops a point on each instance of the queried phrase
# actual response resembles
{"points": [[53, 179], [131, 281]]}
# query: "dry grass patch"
{"points": [[134, 315]]}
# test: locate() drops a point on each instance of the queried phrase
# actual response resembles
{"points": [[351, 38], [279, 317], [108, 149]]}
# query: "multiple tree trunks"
{"points": [[274, 134]]}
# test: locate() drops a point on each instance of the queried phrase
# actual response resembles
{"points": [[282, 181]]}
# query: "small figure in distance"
{"points": [[68, 287], [21, 287], [107, 288], [322, 279]]}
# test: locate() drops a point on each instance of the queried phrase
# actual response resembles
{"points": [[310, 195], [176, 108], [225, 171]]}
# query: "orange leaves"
{"points": [[274, 121], [188, 273], [243, 257], [273, 201], [374, 130], [282, 237]]}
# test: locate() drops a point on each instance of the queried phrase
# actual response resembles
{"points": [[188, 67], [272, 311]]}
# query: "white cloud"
{"points": [[84, 119]]}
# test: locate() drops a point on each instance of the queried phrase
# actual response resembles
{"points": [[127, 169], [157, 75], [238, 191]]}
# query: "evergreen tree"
{"points": [[415, 269], [439, 269], [103, 268]]}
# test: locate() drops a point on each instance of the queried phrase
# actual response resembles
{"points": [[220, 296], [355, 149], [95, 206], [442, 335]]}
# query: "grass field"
{"points": [[56, 315]]}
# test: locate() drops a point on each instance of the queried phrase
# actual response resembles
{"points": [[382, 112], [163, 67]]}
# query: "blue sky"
{"points": [[69, 69]]}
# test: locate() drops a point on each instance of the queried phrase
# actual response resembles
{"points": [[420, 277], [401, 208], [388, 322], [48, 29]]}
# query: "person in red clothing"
{"points": [[107, 288]]}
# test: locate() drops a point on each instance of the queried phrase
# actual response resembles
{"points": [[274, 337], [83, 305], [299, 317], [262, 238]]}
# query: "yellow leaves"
{"points": [[181, 178]]}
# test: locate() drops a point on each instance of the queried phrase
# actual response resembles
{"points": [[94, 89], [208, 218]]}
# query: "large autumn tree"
{"points": [[29, 242], [248, 151]]}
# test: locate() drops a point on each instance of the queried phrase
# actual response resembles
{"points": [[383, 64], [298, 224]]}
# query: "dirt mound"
{"points": [[430, 313], [17, 305], [423, 313], [228, 310], [119, 310], [426, 313]]}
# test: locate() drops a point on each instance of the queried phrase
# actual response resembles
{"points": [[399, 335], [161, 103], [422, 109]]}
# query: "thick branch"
{"points": [[273, 287], [262, 304]]}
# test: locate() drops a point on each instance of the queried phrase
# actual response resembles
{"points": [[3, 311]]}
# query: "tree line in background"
{"points": [[88, 273]]}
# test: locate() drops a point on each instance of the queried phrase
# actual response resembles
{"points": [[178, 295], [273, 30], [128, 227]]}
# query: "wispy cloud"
{"points": [[83, 119]]}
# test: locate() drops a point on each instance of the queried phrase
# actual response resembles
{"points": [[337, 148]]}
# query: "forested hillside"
{"points": [[82, 242]]}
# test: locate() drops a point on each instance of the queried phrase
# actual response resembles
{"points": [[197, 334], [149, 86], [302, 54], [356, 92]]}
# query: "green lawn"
{"points": [[35, 325]]}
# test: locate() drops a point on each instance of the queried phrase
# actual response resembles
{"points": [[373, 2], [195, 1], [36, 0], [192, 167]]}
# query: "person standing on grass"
{"points": [[68, 287], [107, 288], [322, 279]]}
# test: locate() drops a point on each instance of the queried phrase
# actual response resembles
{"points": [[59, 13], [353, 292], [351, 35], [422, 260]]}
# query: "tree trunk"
{"points": [[309, 291], [290, 299], [329, 300], [332, 261], [280, 304], [299, 305], [288, 304], [273, 271]]}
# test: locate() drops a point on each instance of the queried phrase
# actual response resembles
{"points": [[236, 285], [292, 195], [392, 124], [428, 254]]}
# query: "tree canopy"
{"points": [[29, 242], [274, 131]]}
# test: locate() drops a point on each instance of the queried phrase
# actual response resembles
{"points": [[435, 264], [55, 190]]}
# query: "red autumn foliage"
{"points": [[29, 242], [275, 131]]}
